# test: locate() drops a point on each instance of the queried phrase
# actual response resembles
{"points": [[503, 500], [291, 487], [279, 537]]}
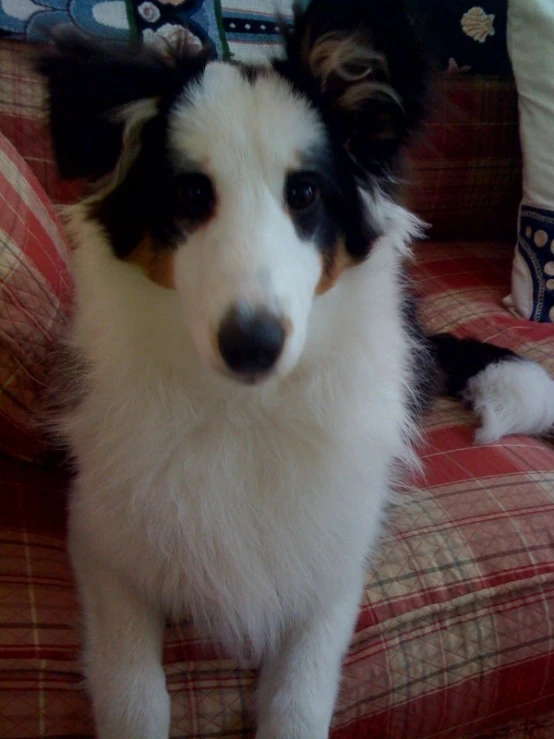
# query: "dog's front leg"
{"points": [[123, 638], [298, 686]]}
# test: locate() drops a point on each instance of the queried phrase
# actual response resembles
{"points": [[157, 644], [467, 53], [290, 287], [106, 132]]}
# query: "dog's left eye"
{"points": [[301, 191], [195, 196]]}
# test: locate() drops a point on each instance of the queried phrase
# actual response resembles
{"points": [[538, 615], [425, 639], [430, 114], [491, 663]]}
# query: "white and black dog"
{"points": [[249, 370]]}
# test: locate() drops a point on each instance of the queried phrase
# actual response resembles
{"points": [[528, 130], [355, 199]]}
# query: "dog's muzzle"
{"points": [[251, 342]]}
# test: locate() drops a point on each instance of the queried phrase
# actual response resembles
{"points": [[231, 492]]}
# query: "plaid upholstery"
{"points": [[23, 118], [34, 294], [464, 285], [465, 169], [454, 636]]}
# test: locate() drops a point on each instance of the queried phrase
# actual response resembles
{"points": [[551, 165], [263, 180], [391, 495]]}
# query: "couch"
{"points": [[455, 636]]}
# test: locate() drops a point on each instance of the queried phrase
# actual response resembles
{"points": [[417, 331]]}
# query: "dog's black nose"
{"points": [[251, 342]]}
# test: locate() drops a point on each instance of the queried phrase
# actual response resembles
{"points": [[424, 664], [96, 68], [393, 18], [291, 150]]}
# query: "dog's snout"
{"points": [[251, 342]]}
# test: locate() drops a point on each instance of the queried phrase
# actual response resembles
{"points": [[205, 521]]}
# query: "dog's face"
{"points": [[241, 188], [259, 236]]}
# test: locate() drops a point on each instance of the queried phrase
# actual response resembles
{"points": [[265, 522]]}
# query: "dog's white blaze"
{"points": [[246, 138]]}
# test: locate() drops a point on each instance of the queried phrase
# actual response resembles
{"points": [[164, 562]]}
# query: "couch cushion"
{"points": [[34, 298], [454, 633], [463, 285]]}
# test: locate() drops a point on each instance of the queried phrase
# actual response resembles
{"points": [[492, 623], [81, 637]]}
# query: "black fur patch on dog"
{"points": [[146, 200], [251, 72], [88, 82], [461, 359], [339, 210], [425, 375], [375, 127]]}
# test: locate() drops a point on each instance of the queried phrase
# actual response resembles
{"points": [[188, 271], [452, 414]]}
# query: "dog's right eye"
{"points": [[301, 191], [195, 197]]}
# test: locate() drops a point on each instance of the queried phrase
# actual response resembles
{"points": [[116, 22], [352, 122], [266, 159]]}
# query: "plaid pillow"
{"points": [[24, 121], [34, 297]]}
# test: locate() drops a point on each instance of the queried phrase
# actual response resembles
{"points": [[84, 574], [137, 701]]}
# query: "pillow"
{"points": [[34, 301], [36, 21], [530, 44], [23, 119]]}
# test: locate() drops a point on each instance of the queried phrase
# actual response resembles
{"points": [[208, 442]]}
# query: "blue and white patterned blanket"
{"points": [[472, 36], [246, 28], [34, 19]]}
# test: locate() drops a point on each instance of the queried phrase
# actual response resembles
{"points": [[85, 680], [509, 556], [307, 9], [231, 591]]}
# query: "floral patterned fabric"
{"points": [[36, 19], [471, 35], [196, 21]]}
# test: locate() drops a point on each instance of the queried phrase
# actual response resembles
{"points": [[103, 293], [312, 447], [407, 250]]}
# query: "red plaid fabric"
{"points": [[464, 285], [465, 173], [23, 118], [34, 296], [454, 637]]}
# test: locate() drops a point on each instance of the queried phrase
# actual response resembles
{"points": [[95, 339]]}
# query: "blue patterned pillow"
{"points": [[533, 267], [34, 20]]}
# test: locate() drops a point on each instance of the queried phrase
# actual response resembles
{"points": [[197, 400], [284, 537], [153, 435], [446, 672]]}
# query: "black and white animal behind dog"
{"points": [[249, 370]]}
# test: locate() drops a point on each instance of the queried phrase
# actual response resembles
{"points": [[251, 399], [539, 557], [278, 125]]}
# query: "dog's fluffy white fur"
{"points": [[515, 396], [251, 509]]}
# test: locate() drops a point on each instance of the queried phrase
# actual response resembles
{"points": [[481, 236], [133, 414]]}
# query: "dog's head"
{"points": [[242, 188]]}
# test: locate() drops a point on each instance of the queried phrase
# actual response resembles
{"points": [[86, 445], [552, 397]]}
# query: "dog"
{"points": [[247, 370]]}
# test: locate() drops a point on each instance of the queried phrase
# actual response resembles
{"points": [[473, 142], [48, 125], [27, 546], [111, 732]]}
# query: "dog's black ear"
{"points": [[88, 83], [366, 65]]}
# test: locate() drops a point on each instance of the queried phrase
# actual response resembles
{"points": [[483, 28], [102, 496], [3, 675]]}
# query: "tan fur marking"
{"points": [[214, 342], [205, 165], [157, 264], [356, 95], [333, 265], [347, 61], [288, 326]]}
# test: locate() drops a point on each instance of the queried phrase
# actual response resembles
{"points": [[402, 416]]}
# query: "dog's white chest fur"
{"points": [[236, 506]]}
